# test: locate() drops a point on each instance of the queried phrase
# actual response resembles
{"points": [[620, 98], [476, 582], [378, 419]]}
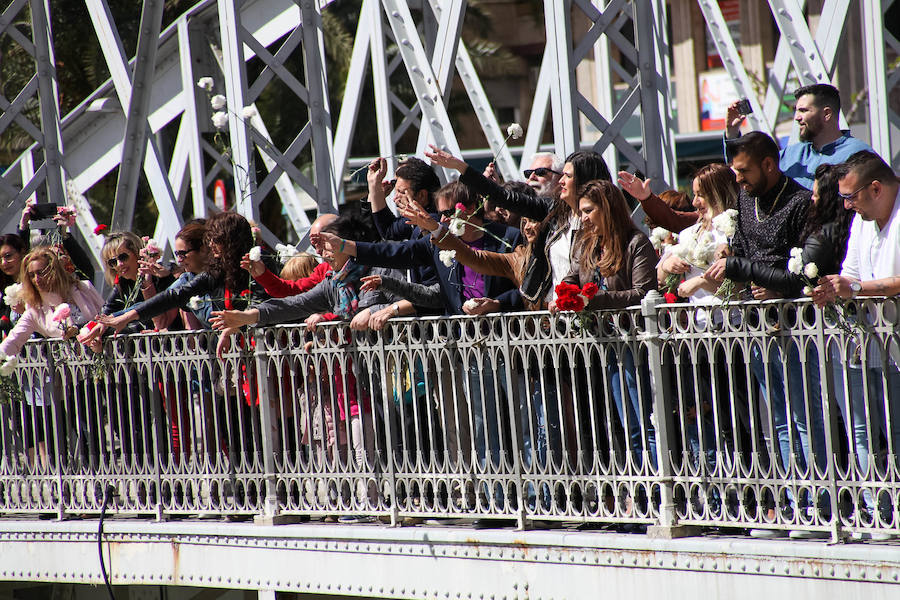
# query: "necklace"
{"points": [[774, 204]]}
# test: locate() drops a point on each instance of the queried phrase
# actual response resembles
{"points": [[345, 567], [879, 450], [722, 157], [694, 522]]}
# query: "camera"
{"points": [[744, 107], [44, 210]]}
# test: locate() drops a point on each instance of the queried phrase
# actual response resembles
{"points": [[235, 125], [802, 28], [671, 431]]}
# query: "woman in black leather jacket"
{"points": [[558, 216], [824, 241]]}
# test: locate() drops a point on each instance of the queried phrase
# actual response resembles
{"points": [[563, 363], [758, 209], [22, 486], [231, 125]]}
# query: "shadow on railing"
{"points": [[762, 415]]}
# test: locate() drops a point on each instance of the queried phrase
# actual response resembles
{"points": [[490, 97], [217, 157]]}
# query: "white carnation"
{"points": [[514, 131], [9, 365], [248, 112], [220, 120], [205, 83], [795, 265], [447, 257], [470, 304], [195, 303], [286, 252], [255, 253], [811, 270], [218, 102], [12, 295], [807, 290], [796, 252], [725, 222], [457, 227]]}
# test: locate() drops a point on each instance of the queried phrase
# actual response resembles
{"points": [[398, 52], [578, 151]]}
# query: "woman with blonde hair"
{"points": [[56, 302], [126, 271]]}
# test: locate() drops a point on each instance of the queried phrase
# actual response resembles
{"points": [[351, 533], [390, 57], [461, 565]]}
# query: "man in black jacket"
{"points": [[772, 210]]}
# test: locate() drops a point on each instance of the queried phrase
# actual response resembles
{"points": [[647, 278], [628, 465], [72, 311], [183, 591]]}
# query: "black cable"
{"points": [[106, 493]]}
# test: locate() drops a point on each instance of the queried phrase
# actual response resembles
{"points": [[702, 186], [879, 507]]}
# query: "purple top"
{"points": [[472, 282]]}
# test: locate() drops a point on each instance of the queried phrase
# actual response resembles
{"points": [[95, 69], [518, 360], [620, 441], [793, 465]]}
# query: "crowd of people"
{"points": [[480, 245]]}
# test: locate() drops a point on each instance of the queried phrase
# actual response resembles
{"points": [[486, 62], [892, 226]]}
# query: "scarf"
{"points": [[346, 286]]}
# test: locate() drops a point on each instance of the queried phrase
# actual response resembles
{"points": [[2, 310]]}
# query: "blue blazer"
{"points": [[421, 252]]}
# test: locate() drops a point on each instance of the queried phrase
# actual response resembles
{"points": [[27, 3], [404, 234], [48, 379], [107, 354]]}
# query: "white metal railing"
{"points": [[651, 415]]}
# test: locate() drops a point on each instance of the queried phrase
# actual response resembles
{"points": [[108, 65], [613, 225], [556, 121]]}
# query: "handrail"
{"points": [[651, 415]]}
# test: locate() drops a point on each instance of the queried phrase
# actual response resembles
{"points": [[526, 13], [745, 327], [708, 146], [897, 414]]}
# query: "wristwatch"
{"points": [[396, 310], [855, 288]]}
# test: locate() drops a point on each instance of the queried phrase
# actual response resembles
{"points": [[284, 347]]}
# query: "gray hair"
{"points": [[556, 163]]}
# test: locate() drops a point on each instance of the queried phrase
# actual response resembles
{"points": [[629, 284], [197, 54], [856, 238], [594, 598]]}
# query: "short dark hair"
{"points": [[420, 175], [868, 166], [756, 144], [823, 95]]}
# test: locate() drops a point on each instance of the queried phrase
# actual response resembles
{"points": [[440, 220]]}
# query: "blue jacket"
{"points": [[422, 252]]}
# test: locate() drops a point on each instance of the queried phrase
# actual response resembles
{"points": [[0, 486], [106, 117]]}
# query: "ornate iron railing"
{"points": [[652, 415]]}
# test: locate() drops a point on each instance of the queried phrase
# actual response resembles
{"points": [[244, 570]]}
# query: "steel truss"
{"points": [[119, 126]]}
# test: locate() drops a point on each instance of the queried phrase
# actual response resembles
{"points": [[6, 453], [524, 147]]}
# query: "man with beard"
{"points": [[817, 114], [772, 210], [542, 176]]}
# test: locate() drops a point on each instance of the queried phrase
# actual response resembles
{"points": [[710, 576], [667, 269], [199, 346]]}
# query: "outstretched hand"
{"points": [[117, 323], [370, 283], [323, 239], [442, 158], [416, 215], [254, 267], [634, 185]]}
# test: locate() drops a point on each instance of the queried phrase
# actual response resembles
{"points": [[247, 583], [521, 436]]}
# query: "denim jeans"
{"points": [[485, 421], [778, 397], [630, 414]]}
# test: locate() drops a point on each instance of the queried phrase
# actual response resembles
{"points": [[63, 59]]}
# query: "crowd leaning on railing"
{"points": [[738, 367]]}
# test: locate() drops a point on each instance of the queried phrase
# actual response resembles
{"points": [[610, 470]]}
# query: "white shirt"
{"points": [[561, 255], [873, 252]]}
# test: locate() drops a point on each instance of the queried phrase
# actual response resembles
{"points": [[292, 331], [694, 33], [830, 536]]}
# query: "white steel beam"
{"points": [[156, 174], [603, 86], [422, 77], [733, 63], [879, 124], [190, 119], [235, 71], [318, 105], [804, 53], [557, 15], [137, 131]]}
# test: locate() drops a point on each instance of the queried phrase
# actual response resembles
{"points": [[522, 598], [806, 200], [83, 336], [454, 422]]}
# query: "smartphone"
{"points": [[44, 210], [744, 107]]}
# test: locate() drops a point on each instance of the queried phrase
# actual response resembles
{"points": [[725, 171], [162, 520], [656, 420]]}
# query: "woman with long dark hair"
{"points": [[228, 237], [614, 254], [12, 249], [551, 257]]}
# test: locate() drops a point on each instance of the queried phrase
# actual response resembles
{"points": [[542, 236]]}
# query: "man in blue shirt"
{"points": [[821, 142]]}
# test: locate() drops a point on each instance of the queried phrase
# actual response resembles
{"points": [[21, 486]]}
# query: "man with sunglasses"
{"points": [[544, 173], [871, 268]]}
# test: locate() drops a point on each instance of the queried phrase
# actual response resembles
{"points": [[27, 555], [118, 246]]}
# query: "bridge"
{"points": [[205, 476]]}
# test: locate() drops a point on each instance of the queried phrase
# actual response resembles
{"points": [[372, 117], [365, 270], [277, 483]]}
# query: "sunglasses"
{"points": [[448, 212], [852, 196], [181, 254], [120, 258], [540, 172]]}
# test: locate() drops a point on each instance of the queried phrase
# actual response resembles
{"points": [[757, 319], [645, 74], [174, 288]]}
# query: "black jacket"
{"points": [[825, 248], [538, 276]]}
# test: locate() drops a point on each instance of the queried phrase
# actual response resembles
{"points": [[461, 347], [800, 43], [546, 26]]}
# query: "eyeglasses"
{"points": [[120, 258], [851, 196], [448, 212], [182, 254], [540, 172]]}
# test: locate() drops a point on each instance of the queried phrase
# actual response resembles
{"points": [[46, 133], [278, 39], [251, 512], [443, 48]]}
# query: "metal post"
{"points": [[666, 434], [566, 134], [873, 36]]}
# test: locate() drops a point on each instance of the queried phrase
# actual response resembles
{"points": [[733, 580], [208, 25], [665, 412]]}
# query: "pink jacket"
{"points": [[39, 319]]}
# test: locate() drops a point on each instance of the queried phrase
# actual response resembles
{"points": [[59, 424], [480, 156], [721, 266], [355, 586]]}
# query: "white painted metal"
{"points": [[873, 41], [136, 128], [566, 134]]}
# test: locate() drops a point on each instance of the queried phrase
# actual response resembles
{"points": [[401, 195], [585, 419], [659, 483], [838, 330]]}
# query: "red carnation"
{"points": [[590, 290], [99, 229], [4, 319], [574, 303], [567, 289], [671, 298]]}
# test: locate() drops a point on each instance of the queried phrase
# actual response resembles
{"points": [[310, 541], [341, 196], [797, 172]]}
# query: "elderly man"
{"points": [[871, 268], [822, 142]]}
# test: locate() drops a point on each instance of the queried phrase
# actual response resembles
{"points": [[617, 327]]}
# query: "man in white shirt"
{"points": [[871, 268]]}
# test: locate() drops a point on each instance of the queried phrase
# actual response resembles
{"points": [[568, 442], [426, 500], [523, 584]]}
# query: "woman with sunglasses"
{"points": [[192, 255], [121, 256], [551, 257]]}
